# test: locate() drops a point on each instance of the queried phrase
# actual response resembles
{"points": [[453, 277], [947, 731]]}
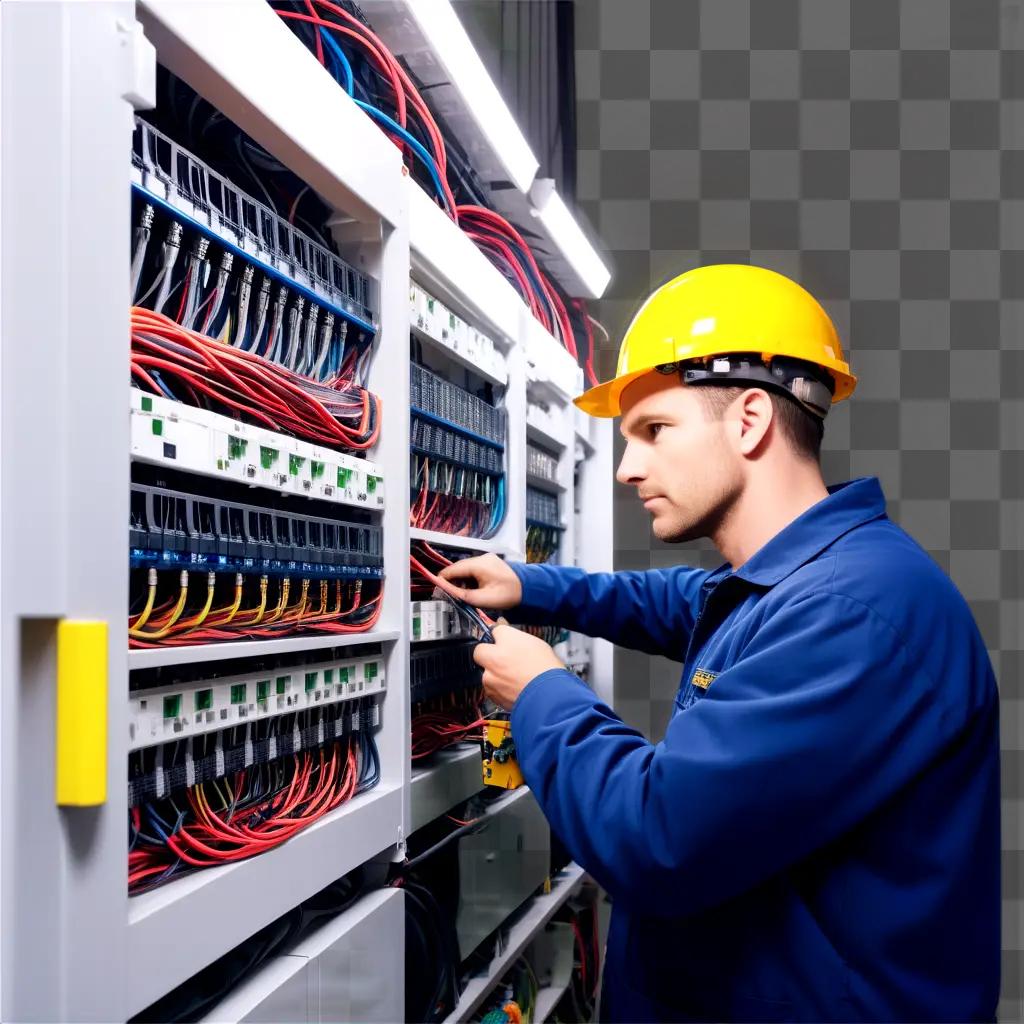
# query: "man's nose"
{"points": [[631, 469]]}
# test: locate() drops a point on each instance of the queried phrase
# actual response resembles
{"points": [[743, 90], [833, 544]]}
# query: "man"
{"points": [[817, 836]]}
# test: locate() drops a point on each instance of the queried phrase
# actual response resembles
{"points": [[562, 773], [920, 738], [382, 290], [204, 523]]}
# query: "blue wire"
{"points": [[162, 386], [417, 147], [339, 55], [379, 115]]}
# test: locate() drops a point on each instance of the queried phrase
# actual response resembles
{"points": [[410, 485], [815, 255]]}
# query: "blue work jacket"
{"points": [[817, 836]]}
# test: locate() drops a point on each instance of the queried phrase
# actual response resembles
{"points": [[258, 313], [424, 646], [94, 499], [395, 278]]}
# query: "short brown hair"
{"points": [[803, 429]]}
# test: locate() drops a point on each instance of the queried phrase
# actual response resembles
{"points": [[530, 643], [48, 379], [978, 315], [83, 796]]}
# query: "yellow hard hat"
{"points": [[730, 310]]}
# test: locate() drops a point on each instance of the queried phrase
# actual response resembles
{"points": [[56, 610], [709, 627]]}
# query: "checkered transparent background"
{"points": [[873, 150]]}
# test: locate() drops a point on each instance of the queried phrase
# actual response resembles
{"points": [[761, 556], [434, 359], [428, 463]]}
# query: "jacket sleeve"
{"points": [[650, 611], [822, 719]]}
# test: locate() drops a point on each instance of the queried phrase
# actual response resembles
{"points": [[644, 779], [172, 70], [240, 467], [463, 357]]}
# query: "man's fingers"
{"points": [[484, 654], [451, 588]]}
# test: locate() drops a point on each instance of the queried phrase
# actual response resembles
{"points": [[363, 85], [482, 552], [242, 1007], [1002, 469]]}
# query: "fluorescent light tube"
{"points": [[568, 237], [451, 46]]}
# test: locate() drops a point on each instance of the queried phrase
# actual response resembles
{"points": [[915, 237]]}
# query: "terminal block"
{"points": [[170, 529], [433, 319], [443, 669], [437, 399], [169, 433], [190, 703], [173, 178]]}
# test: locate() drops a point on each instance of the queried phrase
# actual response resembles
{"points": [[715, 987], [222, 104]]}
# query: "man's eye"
{"points": [[654, 429]]}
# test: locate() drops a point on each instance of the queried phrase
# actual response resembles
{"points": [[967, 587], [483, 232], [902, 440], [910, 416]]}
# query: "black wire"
{"points": [[474, 827]]}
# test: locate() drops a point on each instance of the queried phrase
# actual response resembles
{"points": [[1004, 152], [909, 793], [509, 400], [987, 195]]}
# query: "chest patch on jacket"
{"points": [[702, 678]]}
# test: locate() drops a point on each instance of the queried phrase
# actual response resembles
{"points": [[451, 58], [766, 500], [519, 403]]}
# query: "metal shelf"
{"points": [[537, 431], [327, 960], [457, 357], [542, 483], [449, 540], [158, 656], [455, 775], [547, 1000], [530, 920], [216, 908]]}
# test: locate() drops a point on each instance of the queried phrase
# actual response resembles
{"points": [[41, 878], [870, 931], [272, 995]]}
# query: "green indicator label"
{"points": [[236, 447], [172, 706], [370, 670], [416, 627], [263, 689], [371, 483], [268, 456], [158, 427], [204, 700], [238, 693], [316, 469], [328, 676], [295, 463], [310, 681], [282, 684], [147, 404], [343, 674]]}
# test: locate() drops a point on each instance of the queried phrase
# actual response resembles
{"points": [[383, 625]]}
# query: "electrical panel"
{"points": [[309, 323], [167, 433]]}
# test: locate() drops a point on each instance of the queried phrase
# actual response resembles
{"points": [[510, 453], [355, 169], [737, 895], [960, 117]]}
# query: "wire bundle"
{"points": [[551, 635], [210, 374], [256, 810], [324, 26], [509, 252], [425, 561], [212, 295], [454, 500], [542, 543], [314, 609], [433, 984], [446, 722]]}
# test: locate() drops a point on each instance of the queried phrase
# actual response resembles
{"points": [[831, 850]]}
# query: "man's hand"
{"points": [[513, 660], [495, 584]]}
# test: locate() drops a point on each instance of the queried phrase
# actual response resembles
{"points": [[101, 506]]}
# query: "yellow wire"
{"points": [[143, 617], [139, 634], [302, 603], [232, 610], [281, 603], [198, 620], [263, 602]]}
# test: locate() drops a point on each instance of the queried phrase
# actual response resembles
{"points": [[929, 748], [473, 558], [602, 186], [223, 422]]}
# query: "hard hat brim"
{"points": [[605, 400]]}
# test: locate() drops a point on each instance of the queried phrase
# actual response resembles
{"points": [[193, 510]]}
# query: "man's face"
{"points": [[681, 462]]}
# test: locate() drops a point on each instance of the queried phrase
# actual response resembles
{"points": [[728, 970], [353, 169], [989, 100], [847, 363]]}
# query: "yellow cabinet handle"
{"points": [[81, 777]]}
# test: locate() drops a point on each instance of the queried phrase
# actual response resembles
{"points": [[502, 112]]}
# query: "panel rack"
{"points": [[75, 946]]}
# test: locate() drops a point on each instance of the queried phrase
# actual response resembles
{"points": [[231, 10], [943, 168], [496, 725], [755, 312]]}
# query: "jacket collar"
{"points": [[847, 506]]}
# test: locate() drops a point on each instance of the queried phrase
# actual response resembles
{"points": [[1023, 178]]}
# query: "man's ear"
{"points": [[754, 412]]}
